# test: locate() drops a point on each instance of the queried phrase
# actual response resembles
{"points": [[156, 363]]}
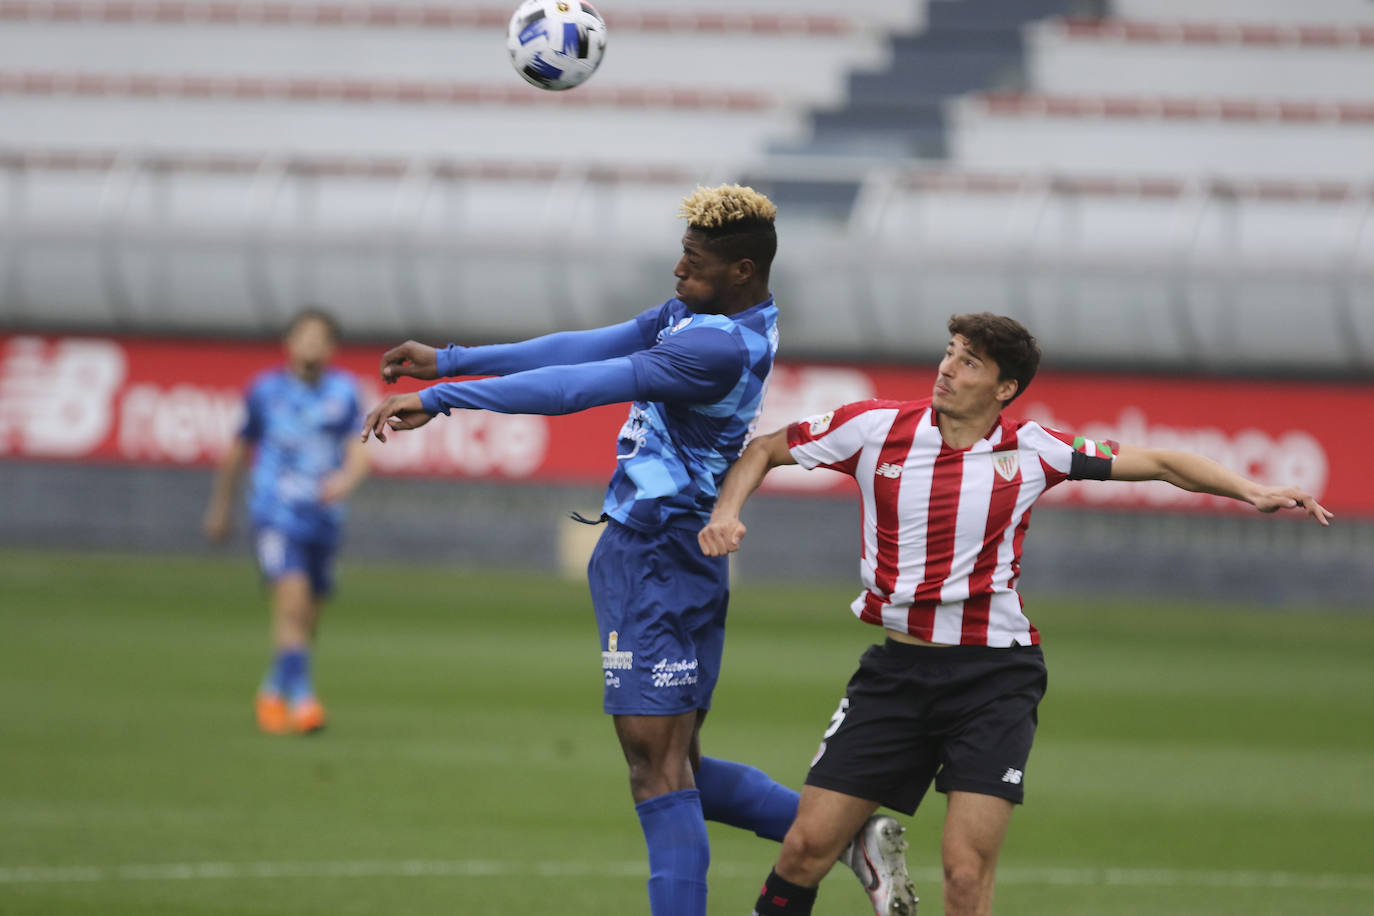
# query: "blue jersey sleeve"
{"points": [[253, 421], [561, 349], [355, 407], [552, 390], [696, 366]]}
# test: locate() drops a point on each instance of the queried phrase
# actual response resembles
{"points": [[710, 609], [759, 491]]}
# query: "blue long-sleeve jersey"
{"points": [[696, 382]]}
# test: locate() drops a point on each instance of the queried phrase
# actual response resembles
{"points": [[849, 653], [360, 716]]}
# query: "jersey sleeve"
{"points": [[831, 440], [551, 391], [355, 407], [253, 417], [563, 348], [695, 366], [1067, 456]]}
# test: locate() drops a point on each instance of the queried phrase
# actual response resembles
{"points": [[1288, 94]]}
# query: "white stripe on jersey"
{"points": [[917, 476], [866, 468]]}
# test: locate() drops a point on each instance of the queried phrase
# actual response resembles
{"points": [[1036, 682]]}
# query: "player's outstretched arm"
{"points": [[1198, 474], [416, 360], [693, 367], [724, 532], [549, 391], [219, 513]]}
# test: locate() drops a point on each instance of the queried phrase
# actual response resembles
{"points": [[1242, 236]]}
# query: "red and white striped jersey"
{"points": [[942, 527]]}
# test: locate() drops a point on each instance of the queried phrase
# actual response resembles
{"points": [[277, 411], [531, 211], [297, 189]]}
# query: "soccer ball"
{"points": [[556, 44]]}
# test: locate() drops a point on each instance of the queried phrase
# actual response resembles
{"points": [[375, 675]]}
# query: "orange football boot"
{"points": [[272, 714], [307, 715]]}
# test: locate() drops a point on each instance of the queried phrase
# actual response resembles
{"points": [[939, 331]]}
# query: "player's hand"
{"points": [[400, 411], [412, 359], [215, 525], [1272, 499], [721, 536]]}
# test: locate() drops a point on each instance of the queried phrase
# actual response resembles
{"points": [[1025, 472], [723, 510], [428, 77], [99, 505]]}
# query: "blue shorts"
{"points": [[280, 554], [660, 609]]}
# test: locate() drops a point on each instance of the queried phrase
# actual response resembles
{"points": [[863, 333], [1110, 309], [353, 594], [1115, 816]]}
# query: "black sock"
{"points": [[781, 897]]}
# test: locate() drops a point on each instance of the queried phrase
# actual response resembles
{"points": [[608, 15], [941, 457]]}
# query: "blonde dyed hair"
{"points": [[717, 208]]}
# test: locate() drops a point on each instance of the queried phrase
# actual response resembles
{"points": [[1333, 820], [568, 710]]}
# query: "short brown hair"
{"points": [[314, 313], [1003, 340]]}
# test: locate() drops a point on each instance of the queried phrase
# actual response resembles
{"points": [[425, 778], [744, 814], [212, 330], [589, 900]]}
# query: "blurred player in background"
{"points": [[300, 425], [947, 486], [696, 369]]}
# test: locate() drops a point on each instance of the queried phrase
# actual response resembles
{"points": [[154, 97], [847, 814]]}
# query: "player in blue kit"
{"points": [[696, 369], [298, 423]]}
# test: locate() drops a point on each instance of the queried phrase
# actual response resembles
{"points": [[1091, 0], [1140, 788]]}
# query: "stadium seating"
{"points": [[1177, 60], [1126, 97], [1248, 12], [1170, 169], [330, 79]]}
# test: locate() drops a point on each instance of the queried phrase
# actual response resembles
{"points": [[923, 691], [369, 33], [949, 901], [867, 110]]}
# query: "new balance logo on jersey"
{"points": [[1012, 776], [887, 469]]}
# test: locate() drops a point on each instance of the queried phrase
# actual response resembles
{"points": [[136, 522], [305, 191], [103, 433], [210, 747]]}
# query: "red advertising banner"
{"points": [[179, 402]]}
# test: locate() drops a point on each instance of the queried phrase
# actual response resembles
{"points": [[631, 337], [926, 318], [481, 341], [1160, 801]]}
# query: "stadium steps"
{"points": [[899, 111]]}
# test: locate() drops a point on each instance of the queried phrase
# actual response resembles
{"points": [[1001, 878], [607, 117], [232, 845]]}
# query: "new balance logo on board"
{"points": [[888, 469]]}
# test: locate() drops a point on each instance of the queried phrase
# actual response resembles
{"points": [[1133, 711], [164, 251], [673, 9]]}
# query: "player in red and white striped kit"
{"points": [[947, 486]]}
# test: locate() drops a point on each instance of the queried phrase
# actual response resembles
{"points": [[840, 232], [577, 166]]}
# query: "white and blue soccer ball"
{"points": [[556, 44]]}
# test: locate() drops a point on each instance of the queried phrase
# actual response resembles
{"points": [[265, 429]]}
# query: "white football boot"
{"points": [[878, 857]]}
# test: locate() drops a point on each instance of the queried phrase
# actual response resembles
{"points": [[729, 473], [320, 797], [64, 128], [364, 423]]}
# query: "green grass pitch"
{"points": [[1190, 760]]}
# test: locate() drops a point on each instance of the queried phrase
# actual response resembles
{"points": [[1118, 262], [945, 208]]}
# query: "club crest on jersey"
{"points": [[820, 424], [681, 323], [1006, 464], [613, 659]]}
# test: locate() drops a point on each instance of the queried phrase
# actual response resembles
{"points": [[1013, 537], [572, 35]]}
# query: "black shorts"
{"points": [[964, 716]]}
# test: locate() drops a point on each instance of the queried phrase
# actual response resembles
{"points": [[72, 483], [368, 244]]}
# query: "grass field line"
{"points": [[489, 868]]}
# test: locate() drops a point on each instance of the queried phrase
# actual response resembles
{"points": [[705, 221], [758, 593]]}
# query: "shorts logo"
{"points": [[613, 659], [680, 673], [1012, 776], [1006, 464]]}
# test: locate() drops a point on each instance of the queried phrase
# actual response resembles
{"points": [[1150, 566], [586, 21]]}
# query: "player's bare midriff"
{"points": [[899, 636]]}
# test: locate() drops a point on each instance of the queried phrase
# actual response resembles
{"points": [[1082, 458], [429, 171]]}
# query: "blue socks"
{"points": [[679, 853], [745, 796], [290, 675], [675, 829]]}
